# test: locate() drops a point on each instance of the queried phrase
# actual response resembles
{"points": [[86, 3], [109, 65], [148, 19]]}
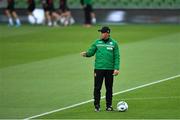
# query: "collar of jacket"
{"points": [[105, 40]]}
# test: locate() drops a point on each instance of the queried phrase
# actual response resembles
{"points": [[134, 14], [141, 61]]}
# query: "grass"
{"points": [[144, 103], [41, 70], [42, 42]]}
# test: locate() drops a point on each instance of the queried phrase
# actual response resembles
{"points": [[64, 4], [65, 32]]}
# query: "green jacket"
{"points": [[107, 54]]}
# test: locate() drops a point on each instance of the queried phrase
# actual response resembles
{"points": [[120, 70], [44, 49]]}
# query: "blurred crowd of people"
{"points": [[53, 17]]}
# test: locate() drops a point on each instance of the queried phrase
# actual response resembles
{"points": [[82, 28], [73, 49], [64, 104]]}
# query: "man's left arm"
{"points": [[116, 59]]}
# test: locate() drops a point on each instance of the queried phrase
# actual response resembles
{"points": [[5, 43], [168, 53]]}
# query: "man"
{"points": [[30, 8], [65, 13], [11, 14], [88, 12], [106, 66], [50, 15]]}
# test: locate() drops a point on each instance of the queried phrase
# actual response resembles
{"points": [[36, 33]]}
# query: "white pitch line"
{"points": [[153, 98], [81, 103]]}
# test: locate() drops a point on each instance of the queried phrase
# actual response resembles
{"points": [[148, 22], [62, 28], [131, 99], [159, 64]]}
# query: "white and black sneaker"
{"points": [[97, 108], [109, 108]]}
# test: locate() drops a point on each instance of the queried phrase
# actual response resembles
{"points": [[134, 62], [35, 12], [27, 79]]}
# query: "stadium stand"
{"points": [[132, 4], [136, 11], [116, 4]]}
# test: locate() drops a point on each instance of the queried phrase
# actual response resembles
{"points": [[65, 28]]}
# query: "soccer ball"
{"points": [[38, 17], [122, 106]]}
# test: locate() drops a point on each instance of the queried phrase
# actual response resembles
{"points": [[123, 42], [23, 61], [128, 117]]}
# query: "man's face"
{"points": [[104, 35]]}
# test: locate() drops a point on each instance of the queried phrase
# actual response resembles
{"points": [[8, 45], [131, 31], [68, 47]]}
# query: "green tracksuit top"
{"points": [[107, 54]]}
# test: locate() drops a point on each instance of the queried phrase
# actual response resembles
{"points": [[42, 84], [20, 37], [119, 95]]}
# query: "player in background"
{"points": [[90, 16], [11, 14], [66, 17], [50, 14], [31, 7]]}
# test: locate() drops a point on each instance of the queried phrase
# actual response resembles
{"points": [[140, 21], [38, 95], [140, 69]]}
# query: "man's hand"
{"points": [[83, 54], [116, 72]]}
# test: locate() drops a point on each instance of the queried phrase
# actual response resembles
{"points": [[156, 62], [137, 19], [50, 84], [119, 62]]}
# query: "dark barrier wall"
{"points": [[108, 4], [117, 16], [153, 16]]}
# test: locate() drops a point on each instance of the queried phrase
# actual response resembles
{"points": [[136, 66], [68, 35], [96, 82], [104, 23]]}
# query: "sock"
{"points": [[18, 22], [11, 22], [72, 21], [49, 23], [94, 20], [62, 20], [55, 23]]}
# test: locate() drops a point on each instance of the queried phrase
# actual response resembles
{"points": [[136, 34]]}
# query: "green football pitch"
{"points": [[43, 76]]}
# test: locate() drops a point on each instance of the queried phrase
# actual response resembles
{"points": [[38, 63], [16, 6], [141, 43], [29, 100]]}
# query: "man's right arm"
{"points": [[90, 52]]}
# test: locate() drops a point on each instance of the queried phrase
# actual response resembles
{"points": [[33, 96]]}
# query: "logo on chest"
{"points": [[109, 48]]}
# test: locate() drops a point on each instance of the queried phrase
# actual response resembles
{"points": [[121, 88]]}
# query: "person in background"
{"points": [[31, 7], [11, 14], [89, 14], [66, 17], [50, 14]]}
